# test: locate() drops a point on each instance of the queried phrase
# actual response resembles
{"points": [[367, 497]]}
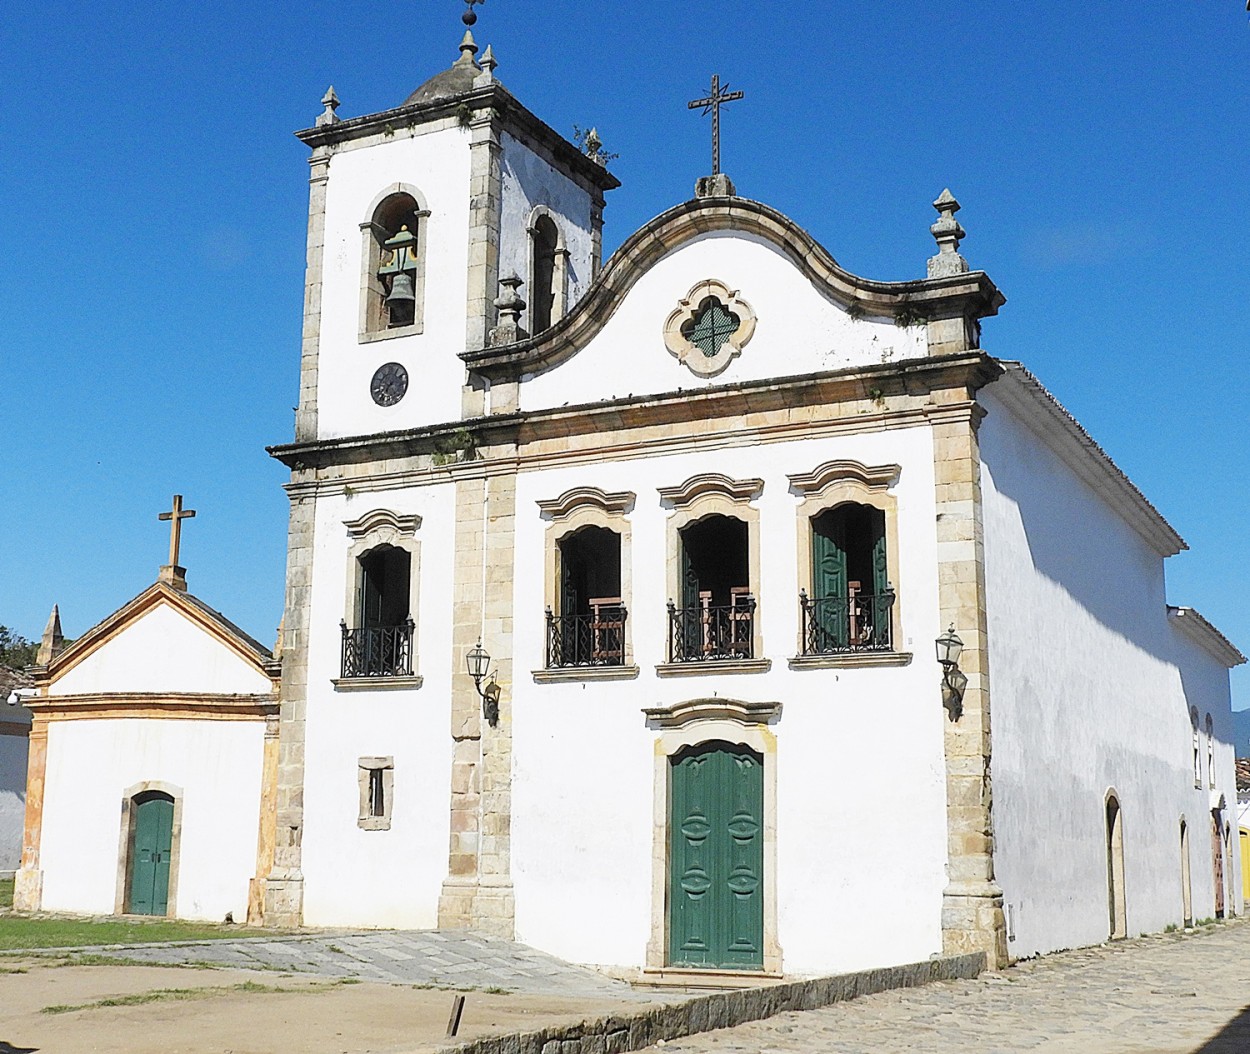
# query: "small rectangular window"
{"points": [[376, 781]]}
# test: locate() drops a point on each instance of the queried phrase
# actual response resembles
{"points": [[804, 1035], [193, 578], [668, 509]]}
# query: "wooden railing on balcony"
{"points": [[708, 631], [594, 639], [378, 651]]}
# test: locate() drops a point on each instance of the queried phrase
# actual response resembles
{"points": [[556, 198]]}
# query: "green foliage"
{"points": [[460, 445], [588, 143], [16, 652], [19, 932], [1170, 928], [6, 892], [908, 316]]}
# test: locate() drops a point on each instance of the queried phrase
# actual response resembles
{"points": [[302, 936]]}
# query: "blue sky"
{"points": [[154, 203]]}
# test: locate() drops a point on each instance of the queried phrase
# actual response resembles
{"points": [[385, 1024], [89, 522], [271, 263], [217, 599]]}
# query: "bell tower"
{"points": [[415, 215]]}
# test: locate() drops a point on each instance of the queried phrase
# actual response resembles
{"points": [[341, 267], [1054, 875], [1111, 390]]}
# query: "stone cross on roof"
{"points": [[172, 573], [712, 104]]}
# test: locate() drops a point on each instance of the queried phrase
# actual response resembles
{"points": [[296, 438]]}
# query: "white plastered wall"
{"points": [[92, 763], [163, 651], [861, 824], [798, 331], [1091, 690], [528, 181], [355, 877], [437, 164]]}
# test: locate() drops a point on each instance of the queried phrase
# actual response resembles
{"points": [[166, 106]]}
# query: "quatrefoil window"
{"points": [[709, 329]]}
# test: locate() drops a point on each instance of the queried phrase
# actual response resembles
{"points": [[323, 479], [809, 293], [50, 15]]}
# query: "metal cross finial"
{"points": [[176, 516], [712, 104], [470, 16]]}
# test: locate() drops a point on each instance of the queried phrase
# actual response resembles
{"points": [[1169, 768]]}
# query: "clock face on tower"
{"points": [[389, 384]]}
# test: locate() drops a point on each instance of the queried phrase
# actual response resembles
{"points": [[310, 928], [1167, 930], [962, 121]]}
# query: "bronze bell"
{"points": [[402, 294]]}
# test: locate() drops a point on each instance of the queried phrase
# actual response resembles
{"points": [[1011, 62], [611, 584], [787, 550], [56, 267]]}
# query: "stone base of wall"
{"points": [[974, 922], [478, 906], [625, 1032], [284, 903], [27, 890]]}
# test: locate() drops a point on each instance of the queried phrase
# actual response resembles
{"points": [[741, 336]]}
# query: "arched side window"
{"points": [[549, 271], [1193, 721], [393, 254], [1187, 894], [1115, 869], [1210, 752]]}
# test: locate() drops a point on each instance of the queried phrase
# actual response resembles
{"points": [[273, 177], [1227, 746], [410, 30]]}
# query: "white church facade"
{"points": [[699, 516]]}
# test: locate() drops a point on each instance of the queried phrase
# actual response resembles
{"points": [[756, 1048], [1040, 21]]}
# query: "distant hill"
{"points": [[1241, 733]]}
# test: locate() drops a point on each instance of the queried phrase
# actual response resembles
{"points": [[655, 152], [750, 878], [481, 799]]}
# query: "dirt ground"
{"points": [[271, 1013]]}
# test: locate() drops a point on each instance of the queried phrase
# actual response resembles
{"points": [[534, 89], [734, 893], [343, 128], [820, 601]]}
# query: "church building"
{"points": [[653, 611]]}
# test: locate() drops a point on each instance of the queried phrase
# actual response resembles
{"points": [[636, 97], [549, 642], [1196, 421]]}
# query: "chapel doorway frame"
{"points": [[126, 840], [1117, 908], [687, 725], [1219, 868]]}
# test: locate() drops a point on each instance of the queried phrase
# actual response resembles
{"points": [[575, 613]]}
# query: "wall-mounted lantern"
{"points": [[478, 662], [954, 681]]}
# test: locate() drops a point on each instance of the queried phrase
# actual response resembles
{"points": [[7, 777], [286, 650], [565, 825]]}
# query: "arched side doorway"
{"points": [[1187, 887], [151, 830], [1115, 869]]}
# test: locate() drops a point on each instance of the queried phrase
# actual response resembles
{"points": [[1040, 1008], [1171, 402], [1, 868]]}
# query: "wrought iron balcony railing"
{"points": [[379, 651], [708, 631], [596, 639], [838, 625]]}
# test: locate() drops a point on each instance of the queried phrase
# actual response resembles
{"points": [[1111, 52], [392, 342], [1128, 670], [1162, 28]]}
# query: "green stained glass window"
{"points": [[712, 327]]}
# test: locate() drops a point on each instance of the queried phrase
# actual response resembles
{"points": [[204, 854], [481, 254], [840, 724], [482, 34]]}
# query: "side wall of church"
{"points": [[13, 753], [860, 778], [433, 160], [212, 768], [1092, 689], [799, 330], [529, 181], [353, 876]]}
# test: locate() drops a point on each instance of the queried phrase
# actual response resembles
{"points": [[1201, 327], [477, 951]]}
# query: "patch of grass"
{"points": [[496, 990], [161, 995], [23, 932], [336, 949], [1205, 922], [1170, 928], [6, 892]]}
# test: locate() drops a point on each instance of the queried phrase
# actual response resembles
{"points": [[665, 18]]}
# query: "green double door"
{"points": [[149, 857], [716, 858]]}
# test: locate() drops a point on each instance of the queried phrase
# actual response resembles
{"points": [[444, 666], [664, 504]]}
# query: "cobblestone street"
{"points": [[1174, 994]]}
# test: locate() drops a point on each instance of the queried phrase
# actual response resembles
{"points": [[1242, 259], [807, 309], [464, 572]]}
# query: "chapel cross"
{"points": [[713, 104], [176, 516]]}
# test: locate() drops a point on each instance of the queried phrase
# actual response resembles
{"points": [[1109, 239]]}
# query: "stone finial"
{"points": [[53, 639], [510, 304], [331, 102], [717, 186], [948, 234], [277, 644], [487, 64], [468, 48]]}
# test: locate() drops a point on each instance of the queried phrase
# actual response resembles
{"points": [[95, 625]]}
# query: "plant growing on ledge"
{"points": [[589, 143], [908, 316], [458, 446]]}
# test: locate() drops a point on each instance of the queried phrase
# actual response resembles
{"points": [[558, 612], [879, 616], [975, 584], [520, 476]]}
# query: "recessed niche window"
{"points": [[1193, 720], [1210, 752], [376, 779], [394, 252]]}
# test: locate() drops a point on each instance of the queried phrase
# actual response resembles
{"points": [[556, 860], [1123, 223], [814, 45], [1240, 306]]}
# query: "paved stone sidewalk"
{"points": [[453, 959], [1175, 994]]}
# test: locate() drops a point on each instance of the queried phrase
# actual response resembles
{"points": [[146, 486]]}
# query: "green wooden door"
{"points": [[716, 858], [149, 859]]}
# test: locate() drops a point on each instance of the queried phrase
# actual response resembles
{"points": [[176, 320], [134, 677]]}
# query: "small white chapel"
{"points": [[708, 612]]}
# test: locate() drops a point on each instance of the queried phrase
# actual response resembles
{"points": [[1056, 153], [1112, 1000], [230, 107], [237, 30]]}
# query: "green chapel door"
{"points": [[830, 582], [716, 858], [149, 858]]}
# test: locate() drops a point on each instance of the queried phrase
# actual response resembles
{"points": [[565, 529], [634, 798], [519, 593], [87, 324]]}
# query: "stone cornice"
{"points": [[684, 495], [967, 373], [962, 296], [518, 121], [1045, 415], [576, 497], [1206, 636], [877, 477], [200, 706], [379, 518], [685, 713]]}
